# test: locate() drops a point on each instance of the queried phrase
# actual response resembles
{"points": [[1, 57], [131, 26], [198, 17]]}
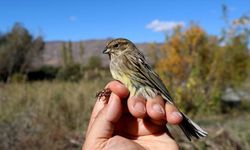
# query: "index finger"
{"points": [[118, 88]]}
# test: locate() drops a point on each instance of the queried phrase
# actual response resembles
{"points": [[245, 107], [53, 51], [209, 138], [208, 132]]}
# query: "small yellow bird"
{"points": [[128, 65]]}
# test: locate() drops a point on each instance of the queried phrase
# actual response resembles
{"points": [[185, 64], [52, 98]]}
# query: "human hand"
{"points": [[137, 124]]}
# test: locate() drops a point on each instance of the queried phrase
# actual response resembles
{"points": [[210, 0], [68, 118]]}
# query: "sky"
{"points": [[137, 20]]}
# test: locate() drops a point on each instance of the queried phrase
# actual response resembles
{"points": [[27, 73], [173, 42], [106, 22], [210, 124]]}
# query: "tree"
{"points": [[67, 54], [233, 70], [70, 53], [94, 62], [70, 71], [64, 55], [18, 49], [198, 67], [81, 53]]}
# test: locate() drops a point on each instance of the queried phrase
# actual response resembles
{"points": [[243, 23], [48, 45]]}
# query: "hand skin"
{"points": [[134, 124]]}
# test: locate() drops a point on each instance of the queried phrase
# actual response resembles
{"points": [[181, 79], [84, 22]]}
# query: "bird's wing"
{"points": [[153, 78]]}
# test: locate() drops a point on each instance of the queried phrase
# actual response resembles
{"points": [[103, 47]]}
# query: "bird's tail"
{"points": [[191, 129]]}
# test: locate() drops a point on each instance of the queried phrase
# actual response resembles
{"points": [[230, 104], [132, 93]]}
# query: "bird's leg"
{"points": [[104, 93]]}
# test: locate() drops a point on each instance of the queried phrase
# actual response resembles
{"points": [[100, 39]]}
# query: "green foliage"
{"points": [[18, 78], [64, 54], [70, 73], [70, 53], [18, 48], [94, 62], [70, 70], [43, 73], [81, 53], [67, 54]]}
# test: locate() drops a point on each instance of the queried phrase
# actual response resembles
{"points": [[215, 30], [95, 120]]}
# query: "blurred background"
{"points": [[51, 66]]}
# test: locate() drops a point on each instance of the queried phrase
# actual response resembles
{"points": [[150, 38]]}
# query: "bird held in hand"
{"points": [[128, 65]]}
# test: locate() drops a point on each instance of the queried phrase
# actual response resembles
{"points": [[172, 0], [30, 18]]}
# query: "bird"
{"points": [[129, 66]]}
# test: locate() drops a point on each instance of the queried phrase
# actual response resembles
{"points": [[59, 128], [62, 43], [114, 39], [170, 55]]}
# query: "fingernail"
{"points": [[158, 108], [176, 114], [139, 106]]}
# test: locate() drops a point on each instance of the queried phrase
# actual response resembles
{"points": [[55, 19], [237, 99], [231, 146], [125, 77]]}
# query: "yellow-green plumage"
{"points": [[128, 65], [123, 70]]}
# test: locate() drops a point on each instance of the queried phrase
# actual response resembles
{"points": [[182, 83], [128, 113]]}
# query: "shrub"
{"points": [[94, 62], [43, 73], [70, 73]]}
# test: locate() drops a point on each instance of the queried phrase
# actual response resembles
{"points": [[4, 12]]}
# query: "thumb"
{"points": [[103, 126]]}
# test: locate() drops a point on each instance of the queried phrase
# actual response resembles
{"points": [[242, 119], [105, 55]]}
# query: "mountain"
{"points": [[53, 50]]}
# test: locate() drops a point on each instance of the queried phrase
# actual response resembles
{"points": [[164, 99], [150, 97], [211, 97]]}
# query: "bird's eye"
{"points": [[116, 45]]}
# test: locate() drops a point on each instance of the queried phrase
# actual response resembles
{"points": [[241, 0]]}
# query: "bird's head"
{"points": [[118, 46]]}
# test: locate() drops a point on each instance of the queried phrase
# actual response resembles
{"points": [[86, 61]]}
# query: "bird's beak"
{"points": [[106, 51]]}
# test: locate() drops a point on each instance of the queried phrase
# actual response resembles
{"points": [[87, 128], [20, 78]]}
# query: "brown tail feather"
{"points": [[191, 129]]}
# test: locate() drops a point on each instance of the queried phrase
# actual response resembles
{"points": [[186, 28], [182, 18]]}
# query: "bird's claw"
{"points": [[104, 93]]}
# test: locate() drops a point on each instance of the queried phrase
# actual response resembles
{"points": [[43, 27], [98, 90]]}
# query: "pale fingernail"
{"points": [[139, 106], [158, 108], [176, 114]]}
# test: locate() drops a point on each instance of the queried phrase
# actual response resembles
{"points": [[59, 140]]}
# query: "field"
{"points": [[47, 115], [48, 81], [54, 115]]}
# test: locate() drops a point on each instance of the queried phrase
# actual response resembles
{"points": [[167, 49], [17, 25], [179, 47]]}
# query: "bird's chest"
{"points": [[120, 71]]}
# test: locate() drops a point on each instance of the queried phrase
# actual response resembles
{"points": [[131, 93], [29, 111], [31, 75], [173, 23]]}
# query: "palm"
{"points": [[141, 134]]}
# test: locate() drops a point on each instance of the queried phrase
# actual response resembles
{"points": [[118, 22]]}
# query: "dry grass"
{"points": [[54, 115], [47, 115], [225, 132]]}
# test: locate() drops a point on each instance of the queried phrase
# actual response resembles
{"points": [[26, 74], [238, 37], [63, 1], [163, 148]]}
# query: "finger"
{"points": [[118, 88], [99, 105], [155, 110], [103, 126], [172, 114], [137, 106], [114, 86]]}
